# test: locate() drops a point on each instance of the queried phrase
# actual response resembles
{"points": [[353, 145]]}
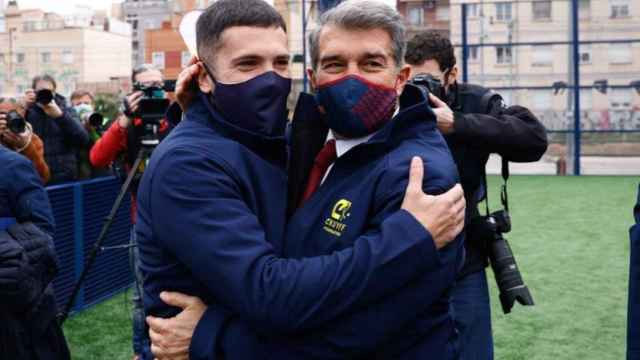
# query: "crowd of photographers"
{"points": [[70, 132]]}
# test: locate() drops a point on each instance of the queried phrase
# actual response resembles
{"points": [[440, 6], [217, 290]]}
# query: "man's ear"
{"points": [[402, 78], [312, 79], [453, 74], [205, 83]]}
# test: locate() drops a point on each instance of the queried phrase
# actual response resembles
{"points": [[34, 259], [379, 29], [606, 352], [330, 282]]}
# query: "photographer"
{"points": [[29, 328], [123, 140], [17, 135], [82, 103], [58, 127], [475, 123]]}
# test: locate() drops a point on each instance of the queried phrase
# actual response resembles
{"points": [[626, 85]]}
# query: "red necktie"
{"points": [[321, 164]]}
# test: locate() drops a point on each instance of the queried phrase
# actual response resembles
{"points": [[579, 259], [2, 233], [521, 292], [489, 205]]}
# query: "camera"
{"points": [[433, 85], [151, 110], [94, 119], [503, 262], [44, 96], [15, 122]]}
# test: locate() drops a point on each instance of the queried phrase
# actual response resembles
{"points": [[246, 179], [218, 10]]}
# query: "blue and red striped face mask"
{"points": [[354, 107]]}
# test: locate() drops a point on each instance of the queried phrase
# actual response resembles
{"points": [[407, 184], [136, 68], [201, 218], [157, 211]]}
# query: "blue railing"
{"points": [[79, 210]]}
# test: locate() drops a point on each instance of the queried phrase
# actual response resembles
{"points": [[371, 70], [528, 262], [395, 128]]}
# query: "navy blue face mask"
{"points": [[258, 105]]}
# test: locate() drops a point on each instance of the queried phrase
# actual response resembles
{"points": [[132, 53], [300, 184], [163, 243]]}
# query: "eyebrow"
{"points": [[375, 54], [331, 58]]}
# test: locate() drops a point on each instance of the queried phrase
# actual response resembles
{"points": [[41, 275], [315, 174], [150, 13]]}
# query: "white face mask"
{"points": [[83, 108]]}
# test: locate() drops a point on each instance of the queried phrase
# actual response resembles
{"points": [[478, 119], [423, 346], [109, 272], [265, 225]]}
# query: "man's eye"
{"points": [[331, 65], [374, 64]]}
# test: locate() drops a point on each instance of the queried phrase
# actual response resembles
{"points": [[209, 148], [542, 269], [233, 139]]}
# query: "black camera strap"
{"points": [[504, 195]]}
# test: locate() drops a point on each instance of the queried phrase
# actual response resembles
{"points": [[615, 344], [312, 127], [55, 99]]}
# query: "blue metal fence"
{"points": [[79, 210]]}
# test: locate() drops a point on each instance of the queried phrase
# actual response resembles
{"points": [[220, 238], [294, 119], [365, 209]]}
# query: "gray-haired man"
{"points": [[358, 75]]}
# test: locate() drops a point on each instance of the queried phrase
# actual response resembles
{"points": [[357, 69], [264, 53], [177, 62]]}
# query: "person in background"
{"points": [[475, 123], [121, 143], [58, 127], [26, 142], [82, 103], [29, 328]]}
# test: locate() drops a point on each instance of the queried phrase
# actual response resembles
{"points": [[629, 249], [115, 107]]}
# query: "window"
{"points": [[541, 100], [473, 53], [20, 58], [503, 11], [507, 95], [541, 10], [586, 99], [134, 25], [585, 54], [503, 54], [620, 97], [2, 59], [442, 13], [619, 8], [67, 56], [184, 61], [473, 10], [45, 57], [416, 15], [620, 53], [584, 9], [157, 59], [542, 55]]}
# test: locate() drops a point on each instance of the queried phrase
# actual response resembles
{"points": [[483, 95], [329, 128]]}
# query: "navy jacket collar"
{"points": [[271, 148]]}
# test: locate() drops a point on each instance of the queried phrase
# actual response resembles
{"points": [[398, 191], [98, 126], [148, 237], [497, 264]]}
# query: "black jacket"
{"points": [[62, 137], [28, 328], [483, 125]]}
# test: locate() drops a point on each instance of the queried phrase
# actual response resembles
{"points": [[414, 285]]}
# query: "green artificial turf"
{"points": [[570, 238]]}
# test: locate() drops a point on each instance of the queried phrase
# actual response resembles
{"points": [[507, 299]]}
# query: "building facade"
{"points": [[423, 15], [143, 15], [528, 51], [34, 42]]}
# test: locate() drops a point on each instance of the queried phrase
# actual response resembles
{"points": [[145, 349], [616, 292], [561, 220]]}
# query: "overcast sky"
{"points": [[67, 6], [62, 6]]}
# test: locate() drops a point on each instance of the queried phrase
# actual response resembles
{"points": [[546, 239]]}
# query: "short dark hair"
{"points": [[430, 45], [142, 68], [81, 93], [45, 77], [224, 14]]}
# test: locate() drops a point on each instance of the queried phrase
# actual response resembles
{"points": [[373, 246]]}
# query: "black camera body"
{"points": [[152, 108], [503, 262], [15, 122], [428, 82], [44, 96]]}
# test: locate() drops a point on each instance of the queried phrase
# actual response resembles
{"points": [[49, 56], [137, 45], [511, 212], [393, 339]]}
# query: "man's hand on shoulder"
{"points": [[444, 114], [441, 215], [171, 338]]}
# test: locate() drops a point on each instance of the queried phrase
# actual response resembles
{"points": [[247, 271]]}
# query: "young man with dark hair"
{"points": [[475, 123], [59, 128], [212, 206]]}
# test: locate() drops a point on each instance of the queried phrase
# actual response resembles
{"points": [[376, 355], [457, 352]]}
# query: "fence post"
{"points": [[78, 240], [576, 86], [465, 46]]}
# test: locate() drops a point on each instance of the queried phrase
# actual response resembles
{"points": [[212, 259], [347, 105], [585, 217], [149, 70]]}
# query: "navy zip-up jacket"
{"points": [[211, 221], [365, 187]]}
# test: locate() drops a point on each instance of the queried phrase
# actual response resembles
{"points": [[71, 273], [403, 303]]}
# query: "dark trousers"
{"points": [[472, 312]]}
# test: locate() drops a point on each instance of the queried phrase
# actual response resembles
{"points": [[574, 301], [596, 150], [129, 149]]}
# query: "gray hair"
{"points": [[362, 15]]}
